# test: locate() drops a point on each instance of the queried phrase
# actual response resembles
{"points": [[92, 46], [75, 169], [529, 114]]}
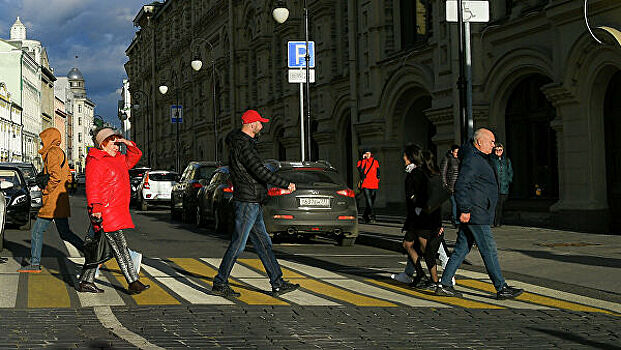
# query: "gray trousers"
{"points": [[119, 248]]}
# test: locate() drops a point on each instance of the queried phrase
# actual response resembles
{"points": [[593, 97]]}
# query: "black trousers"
{"points": [[499, 207], [369, 196]]}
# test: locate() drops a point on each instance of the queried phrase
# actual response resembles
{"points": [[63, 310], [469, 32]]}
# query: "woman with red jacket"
{"points": [[108, 195]]}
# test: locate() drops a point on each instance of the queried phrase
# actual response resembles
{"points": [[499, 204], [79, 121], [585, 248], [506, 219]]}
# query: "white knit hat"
{"points": [[104, 134]]}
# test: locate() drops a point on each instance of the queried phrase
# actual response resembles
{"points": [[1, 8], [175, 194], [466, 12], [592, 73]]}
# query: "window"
{"points": [[80, 121], [79, 137], [79, 108], [414, 22]]}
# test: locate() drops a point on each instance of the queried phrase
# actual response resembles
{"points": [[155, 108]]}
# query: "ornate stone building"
{"points": [[386, 76]]}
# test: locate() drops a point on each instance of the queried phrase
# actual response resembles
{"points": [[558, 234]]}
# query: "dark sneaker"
{"points": [[224, 291], [284, 288], [30, 269], [445, 291], [507, 292], [137, 287], [419, 282], [431, 285], [87, 287]]}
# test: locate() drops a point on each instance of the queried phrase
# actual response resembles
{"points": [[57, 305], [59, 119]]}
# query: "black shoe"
{"points": [[86, 287], [507, 292], [420, 281], [284, 288], [445, 291], [224, 290], [137, 287]]}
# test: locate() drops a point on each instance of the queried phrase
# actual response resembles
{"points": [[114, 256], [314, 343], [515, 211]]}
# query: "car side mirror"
{"points": [[5, 185]]}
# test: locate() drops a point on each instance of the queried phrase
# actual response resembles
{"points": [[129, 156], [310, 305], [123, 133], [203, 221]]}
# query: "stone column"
{"points": [[582, 181]]}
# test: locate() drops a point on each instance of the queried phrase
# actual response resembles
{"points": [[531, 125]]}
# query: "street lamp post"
{"points": [[197, 64], [145, 118], [163, 90], [281, 14]]}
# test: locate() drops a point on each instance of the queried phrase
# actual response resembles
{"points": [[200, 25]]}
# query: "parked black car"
{"points": [[135, 177], [3, 186], [30, 173], [183, 196], [17, 197], [215, 202]]}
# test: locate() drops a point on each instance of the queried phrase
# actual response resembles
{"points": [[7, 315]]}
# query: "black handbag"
{"points": [[43, 177], [97, 250], [437, 194]]}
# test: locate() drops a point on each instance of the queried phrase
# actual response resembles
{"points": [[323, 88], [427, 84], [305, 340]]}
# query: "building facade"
{"points": [[64, 94], [82, 114], [125, 110], [386, 76], [60, 121], [10, 127], [47, 92]]}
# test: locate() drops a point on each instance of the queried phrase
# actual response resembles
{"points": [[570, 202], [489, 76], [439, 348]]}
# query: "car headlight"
{"points": [[19, 199]]}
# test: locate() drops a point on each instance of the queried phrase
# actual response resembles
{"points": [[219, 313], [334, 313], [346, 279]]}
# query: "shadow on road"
{"points": [[576, 338], [576, 259]]}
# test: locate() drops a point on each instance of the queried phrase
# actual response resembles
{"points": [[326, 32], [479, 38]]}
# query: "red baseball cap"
{"points": [[251, 116]]}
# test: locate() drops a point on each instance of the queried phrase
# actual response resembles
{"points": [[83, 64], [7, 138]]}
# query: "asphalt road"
{"points": [[346, 300]]}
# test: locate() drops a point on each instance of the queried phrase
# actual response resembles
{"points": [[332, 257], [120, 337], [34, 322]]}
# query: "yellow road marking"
{"points": [[207, 273], [533, 298], [155, 295], [322, 288], [47, 290], [469, 304]]}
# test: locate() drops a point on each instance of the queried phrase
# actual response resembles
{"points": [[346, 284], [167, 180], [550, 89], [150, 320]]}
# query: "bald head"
{"points": [[484, 140]]}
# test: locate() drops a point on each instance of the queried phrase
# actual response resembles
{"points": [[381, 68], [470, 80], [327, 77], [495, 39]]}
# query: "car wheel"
{"points": [[347, 241], [199, 217], [174, 214], [27, 225], [144, 206]]}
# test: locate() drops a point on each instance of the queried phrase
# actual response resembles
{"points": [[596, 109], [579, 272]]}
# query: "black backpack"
{"points": [[43, 177]]}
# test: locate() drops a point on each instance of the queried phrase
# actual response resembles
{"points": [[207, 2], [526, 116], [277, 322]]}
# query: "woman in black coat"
{"points": [[426, 228]]}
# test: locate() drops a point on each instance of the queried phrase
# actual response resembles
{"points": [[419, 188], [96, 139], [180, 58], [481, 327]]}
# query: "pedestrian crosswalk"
{"points": [[188, 281]]}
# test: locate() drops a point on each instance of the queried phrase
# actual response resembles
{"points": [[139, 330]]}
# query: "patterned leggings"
{"points": [[119, 247]]}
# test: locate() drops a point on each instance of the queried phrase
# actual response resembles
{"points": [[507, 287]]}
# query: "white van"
{"points": [[155, 188]]}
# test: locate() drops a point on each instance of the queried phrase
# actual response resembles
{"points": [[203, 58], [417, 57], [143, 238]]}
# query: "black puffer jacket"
{"points": [[449, 170], [416, 189], [250, 177]]}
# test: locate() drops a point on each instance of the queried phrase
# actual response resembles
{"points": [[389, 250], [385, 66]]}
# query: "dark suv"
{"points": [[183, 196]]}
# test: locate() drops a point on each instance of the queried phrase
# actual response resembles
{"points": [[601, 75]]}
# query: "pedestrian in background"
{"points": [[107, 197], [504, 170], [369, 170], [55, 199], [450, 171], [250, 179], [426, 228], [476, 193]]}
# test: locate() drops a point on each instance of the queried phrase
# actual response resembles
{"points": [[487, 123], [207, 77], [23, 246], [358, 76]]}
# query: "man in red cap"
{"points": [[250, 178]]}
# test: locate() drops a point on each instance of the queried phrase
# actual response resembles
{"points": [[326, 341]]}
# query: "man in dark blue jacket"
{"points": [[476, 194]]}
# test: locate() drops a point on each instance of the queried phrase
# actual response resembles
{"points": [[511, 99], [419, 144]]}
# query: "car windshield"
{"points": [[11, 176], [304, 176], [28, 172], [163, 177], [136, 173], [204, 173]]}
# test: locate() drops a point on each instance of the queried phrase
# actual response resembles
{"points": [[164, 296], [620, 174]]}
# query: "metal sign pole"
{"points": [[469, 117], [302, 135], [308, 104], [462, 67]]}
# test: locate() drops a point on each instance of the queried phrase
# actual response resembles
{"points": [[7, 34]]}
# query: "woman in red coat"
{"points": [[108, 195]]}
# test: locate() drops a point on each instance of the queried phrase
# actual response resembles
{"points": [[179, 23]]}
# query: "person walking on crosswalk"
{"points": [[476, 194], [250, 178], [55, 199], [107, 197]]}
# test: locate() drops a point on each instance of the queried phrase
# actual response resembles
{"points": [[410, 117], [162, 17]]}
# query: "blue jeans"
{"points": [[454, 218], [249, 224], [40, 226], [482, 235]]}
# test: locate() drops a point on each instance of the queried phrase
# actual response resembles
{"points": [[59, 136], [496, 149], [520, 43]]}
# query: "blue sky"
{"points": [[98, 32]]}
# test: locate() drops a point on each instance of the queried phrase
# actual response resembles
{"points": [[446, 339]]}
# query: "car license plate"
{"points": [[315, 202]]}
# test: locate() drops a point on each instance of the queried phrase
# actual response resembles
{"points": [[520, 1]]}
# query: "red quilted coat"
{"points": [[108, 188]]}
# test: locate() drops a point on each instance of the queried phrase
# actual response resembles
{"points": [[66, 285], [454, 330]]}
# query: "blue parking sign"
{"points": [[297, 54]]}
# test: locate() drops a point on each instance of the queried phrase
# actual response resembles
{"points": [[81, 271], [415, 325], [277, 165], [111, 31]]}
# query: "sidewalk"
{"points": [[583, 259]]}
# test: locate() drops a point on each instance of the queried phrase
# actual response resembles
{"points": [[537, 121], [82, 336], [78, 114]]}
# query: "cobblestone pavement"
{"points": [[278, 327]]}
